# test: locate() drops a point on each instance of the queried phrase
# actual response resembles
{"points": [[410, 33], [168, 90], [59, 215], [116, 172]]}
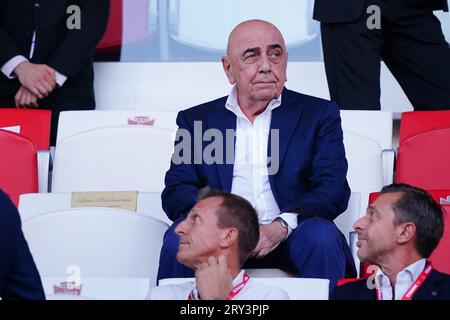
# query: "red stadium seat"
{"points": [[424, 153], [440, 257], [30, 123], [113, 34], [18, 165], [130, 21]]}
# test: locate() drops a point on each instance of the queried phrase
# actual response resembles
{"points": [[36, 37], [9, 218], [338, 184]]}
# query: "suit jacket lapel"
{"points": [[222, 119], [284, 119]]}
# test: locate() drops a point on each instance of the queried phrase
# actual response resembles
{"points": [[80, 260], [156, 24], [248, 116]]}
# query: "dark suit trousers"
{"points": [[315, 249], [410, 42]]}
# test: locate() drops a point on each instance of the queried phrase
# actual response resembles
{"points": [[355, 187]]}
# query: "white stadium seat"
{"points": [[98, 242], [33, 204], [292, 17], [96, 288], [122, 158], [73, 122], [368, 148]]}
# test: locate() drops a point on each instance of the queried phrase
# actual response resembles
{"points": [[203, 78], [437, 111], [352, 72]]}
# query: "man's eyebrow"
{"points": [[373, 208], [274, 46], [250, 50]]}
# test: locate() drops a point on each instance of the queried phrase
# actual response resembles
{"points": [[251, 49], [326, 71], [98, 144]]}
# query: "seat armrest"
{"points": [[43, 160], [388, 157]]}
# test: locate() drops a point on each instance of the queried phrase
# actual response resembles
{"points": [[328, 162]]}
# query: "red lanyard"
{"points": [[236, 289], [414, 287]]}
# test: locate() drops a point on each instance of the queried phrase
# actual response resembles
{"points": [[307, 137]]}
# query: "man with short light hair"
{"points": [[216, 238]]}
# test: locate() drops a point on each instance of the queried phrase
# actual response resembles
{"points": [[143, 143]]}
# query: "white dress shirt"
{"points": [[8, 68], [250, 173], [251, 291], [404, 281]]}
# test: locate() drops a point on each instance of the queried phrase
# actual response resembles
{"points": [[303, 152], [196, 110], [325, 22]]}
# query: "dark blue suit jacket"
{"points": [[311, 179], [19, 278], [435, 287]]}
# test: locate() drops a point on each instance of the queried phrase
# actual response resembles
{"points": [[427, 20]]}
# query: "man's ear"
{"points": [[406, 232], [229, 236], [227, 68]]}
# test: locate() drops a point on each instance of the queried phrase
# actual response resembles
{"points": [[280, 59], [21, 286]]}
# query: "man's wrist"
{"points": [[283, 223], [18, 68]]}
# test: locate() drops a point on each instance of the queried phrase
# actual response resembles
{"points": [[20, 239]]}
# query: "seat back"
{"points": [[73, 122], [29, 123], [95, 242], [130, 21], [98, 288], [423, 153], [345, 221], [34, 204], [187, 20], [18, 165], [296, 288], [113, 159], [367, 135]]}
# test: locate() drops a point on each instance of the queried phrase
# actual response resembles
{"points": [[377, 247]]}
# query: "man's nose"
{"points": [[181, 228], [358, 225], [265, 64]]}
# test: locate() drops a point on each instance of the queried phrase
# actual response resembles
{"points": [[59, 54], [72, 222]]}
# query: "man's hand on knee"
{"points": [[270, 236]]}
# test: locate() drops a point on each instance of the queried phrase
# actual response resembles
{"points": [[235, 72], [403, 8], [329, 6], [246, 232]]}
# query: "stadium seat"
{"points": [[122, 158], [18, 165], [424, 153], [95, 288], [33, 204], [296, 288], [35, 126], [30, 123], [345, 222], [95, 242], [369, 153], [73, 122], [187, 20], [130, 21]]}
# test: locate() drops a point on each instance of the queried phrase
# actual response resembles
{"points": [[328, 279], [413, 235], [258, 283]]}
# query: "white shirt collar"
{"points": [[232, 103], [238, 279], [403, 282]]}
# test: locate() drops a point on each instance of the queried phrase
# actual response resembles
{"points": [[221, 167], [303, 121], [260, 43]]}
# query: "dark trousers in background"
{"points": [[410, 42], [56, 105], [315, 249]]}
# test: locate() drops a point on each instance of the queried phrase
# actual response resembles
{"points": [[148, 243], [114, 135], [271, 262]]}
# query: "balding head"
{"points": [[251, 26], [256, 62]]}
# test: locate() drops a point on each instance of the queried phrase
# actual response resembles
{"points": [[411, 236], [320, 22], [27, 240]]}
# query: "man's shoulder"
{"points": [[354, 290], [201, 109], [440, 279], [255, 290], [308, 102], [171, 291]]}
